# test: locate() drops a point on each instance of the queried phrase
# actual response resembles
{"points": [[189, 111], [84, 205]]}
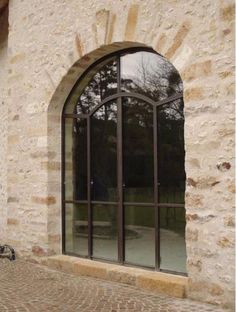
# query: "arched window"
{"points": [[123, 163]]}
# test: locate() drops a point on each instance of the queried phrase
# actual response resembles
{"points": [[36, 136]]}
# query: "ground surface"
{"points": [[30, 287]]}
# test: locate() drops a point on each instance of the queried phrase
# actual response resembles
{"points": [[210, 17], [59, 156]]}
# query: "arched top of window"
{"points": [[133, 72]]}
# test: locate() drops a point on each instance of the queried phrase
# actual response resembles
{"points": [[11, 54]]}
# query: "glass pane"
{"points": [[149, 74], [103, 153], [171, 176], [76, 229], [171, 154], [140, 235], [137, 151], [75, 159], [105, 232], [99, 83], [172, 239]]}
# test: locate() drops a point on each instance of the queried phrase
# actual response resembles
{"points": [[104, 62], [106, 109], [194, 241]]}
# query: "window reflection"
{"points": [[98, 84], [140, 235], [137, 150], [149, 74], [171, 155], [171, 176], [105, 232], [76, 220], [103, 153], [75, 159]]}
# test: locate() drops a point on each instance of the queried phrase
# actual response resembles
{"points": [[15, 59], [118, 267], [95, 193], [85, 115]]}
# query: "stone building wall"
{"points": [[3, 120], [50, 44]]}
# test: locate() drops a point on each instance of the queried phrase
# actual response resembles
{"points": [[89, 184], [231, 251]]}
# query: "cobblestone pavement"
{"points": [[29, 287]]}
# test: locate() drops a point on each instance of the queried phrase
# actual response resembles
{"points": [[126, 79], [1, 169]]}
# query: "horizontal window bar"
{"points": [[84, 116], [127, 94], [75, 201], [170, 205], [138, 204]]}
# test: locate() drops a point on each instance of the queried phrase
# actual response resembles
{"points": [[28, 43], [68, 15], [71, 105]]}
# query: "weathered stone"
{"points": [[196, 264], [191, 182], [163, 283], [225, 74], [193, 200], [122, 275], [52, 165], [12, 199], [231, 188], [111, 28], [50, 200], [42, 154], [39, 251], [131, 22], [216, 290], [198, 70], [224, 166], [229, 221], [102, 21], [79, 45], [11, 221], [227, 12], [225, 242], [193, 94], [54, 238], [192, 234], [178, 40], [13, 139], [200, 218], [17, 58], [203, 182], [91, 269], [161, 42], [192, 217]]}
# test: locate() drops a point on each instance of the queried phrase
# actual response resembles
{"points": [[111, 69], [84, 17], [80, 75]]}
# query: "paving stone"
{"points": [[34, 288]]}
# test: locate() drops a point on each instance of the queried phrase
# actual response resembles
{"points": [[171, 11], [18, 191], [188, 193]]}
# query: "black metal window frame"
{"points": [[118, 97]]}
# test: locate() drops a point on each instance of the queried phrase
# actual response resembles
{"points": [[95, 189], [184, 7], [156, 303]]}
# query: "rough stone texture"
{"points": [[50, 44], [3, 119], [30, 287], [154, 281]]}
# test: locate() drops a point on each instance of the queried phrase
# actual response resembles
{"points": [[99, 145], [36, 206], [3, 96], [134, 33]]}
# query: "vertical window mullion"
{"points": [[120, 169], [89, 188], [120, 183], [63, 186], [157, 223]]}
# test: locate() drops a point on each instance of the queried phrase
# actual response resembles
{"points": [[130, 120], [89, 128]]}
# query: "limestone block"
{"points": [[166, 283], [91, 268]]}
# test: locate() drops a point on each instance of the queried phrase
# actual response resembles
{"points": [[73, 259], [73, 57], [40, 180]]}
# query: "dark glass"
{"points": [[69, 133], [105, 232], [99, 83], [149, 74], [75, 159], [171, 154], [76, 219], [140, 235], [171, 176], [80, 159], [137, 150], [104, 153]]}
